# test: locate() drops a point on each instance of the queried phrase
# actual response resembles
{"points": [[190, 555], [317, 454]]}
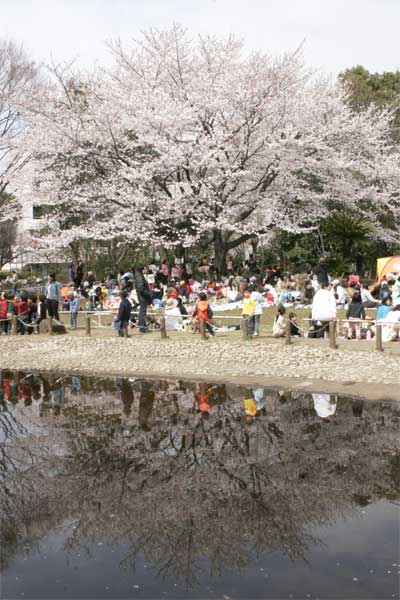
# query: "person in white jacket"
{"points": [[323, 310]]}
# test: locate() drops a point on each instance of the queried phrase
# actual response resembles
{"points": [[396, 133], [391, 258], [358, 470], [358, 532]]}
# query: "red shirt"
{"points": [[21, 307], [3, 309]]}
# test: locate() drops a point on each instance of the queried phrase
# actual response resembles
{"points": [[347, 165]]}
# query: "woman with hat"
{"points": [[173, 316]]}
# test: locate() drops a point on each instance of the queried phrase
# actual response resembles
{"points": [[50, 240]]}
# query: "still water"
{"points": [[132, 488]]}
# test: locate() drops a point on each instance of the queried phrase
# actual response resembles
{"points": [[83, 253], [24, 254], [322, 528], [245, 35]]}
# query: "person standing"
{"points": [[14, 282], [71, 272], [53, 295], [164, 272], [321, 271], [144, 297], [79, 274], [124, 314], [258, 308], [248, 309]]}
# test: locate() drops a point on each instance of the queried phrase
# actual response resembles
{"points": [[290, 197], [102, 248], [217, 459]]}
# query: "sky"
{"points": [[336, 33]]}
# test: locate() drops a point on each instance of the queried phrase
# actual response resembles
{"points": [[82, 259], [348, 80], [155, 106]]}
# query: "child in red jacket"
{"points": [[202, 310]]}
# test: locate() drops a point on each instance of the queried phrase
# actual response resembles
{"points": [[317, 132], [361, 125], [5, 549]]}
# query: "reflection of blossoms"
{"points": [[172, 479]]}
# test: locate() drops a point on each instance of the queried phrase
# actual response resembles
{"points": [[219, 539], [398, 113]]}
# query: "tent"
{"points": [[389, 264]]}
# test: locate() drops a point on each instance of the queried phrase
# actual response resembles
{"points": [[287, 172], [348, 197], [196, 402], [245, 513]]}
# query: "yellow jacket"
{"points": [[248, 307]]}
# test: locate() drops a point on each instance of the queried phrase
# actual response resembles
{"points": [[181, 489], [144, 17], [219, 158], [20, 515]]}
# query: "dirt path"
{"points": [[302, 367]]}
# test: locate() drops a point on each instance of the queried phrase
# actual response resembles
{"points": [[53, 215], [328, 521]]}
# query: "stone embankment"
{"points": [[299, 366]]}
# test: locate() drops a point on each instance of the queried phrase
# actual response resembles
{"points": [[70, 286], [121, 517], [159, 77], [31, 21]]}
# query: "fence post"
{"points": [[163, 330], [87, 331], [50, 324], [332, 335], [245, 329], [14, 325], [202, 326], [288, 335], [378, 338]]}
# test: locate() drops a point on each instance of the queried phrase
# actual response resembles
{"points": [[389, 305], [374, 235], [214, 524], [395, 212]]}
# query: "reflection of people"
{"points": [[324, 405], [203, 397], [259, 397], [57, 395], [126, 396], [146, 403], [254, 403]]}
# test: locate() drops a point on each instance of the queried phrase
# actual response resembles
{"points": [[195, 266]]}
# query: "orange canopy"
{"points": [[389, 264]]}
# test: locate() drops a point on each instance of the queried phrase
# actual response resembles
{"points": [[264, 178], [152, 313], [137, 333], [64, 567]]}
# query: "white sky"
{"points": [[337, 33]]}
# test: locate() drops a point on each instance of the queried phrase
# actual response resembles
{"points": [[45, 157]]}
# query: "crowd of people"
{"points": [[187, 295]]}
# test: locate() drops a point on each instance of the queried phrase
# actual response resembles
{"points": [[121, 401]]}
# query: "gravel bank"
{"points": [[294, 366]]}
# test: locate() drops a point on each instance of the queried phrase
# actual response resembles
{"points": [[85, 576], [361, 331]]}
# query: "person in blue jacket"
{"points": [[124, 314]]}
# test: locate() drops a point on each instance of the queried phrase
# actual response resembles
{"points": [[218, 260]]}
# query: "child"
{"points": [[3, 314], [355, 312], [294, 328], [202, 310], [258, 308], [248, 309], [124, 314], [278, 328], [32, 314], [22, 311], [42, 307], [73, 309]]}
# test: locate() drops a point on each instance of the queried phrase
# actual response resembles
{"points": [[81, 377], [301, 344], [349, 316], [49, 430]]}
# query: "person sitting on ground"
{"points": [[323, 310], [391, 327], [173, 316], [294, 327], [355, 313], [248, 310], [124, 314], [202, 310], [340, 293], [181, 307], [385, 307], [367, 299], [308, 292], [278, 327], [32, 314], [396, 291]]}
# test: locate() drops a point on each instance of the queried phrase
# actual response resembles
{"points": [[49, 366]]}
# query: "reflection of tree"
{"points": [[180, 487]]}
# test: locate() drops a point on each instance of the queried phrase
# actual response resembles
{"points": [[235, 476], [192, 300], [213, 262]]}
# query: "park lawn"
{"points": [[228, 318]]}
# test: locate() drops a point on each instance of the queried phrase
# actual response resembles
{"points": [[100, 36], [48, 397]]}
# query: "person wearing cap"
{"points": [[124, 314], [73, 305]]}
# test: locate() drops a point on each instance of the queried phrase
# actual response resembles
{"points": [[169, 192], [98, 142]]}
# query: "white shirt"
{"points": [[258, 302], [323, 306], [173, 319], [366, 296], [342, 298]]}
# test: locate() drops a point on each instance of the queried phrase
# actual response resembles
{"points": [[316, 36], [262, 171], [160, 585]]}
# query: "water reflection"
{"points": [[193, 477]]}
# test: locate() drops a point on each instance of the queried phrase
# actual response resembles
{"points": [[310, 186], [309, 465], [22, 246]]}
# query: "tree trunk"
{"points": [[221, 251]]}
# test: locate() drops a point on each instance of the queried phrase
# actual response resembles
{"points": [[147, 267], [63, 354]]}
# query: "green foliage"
{"points": [[380, 89]]}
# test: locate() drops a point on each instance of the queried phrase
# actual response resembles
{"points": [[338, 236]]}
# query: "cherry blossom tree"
{"points": [[186, 142], [18, 78]]}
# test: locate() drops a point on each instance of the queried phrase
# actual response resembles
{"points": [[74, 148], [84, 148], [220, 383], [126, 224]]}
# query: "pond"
{"points": [[132, 488]]}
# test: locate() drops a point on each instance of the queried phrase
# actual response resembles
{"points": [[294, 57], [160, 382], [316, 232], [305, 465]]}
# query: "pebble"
{"points": [[185, 356]]}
